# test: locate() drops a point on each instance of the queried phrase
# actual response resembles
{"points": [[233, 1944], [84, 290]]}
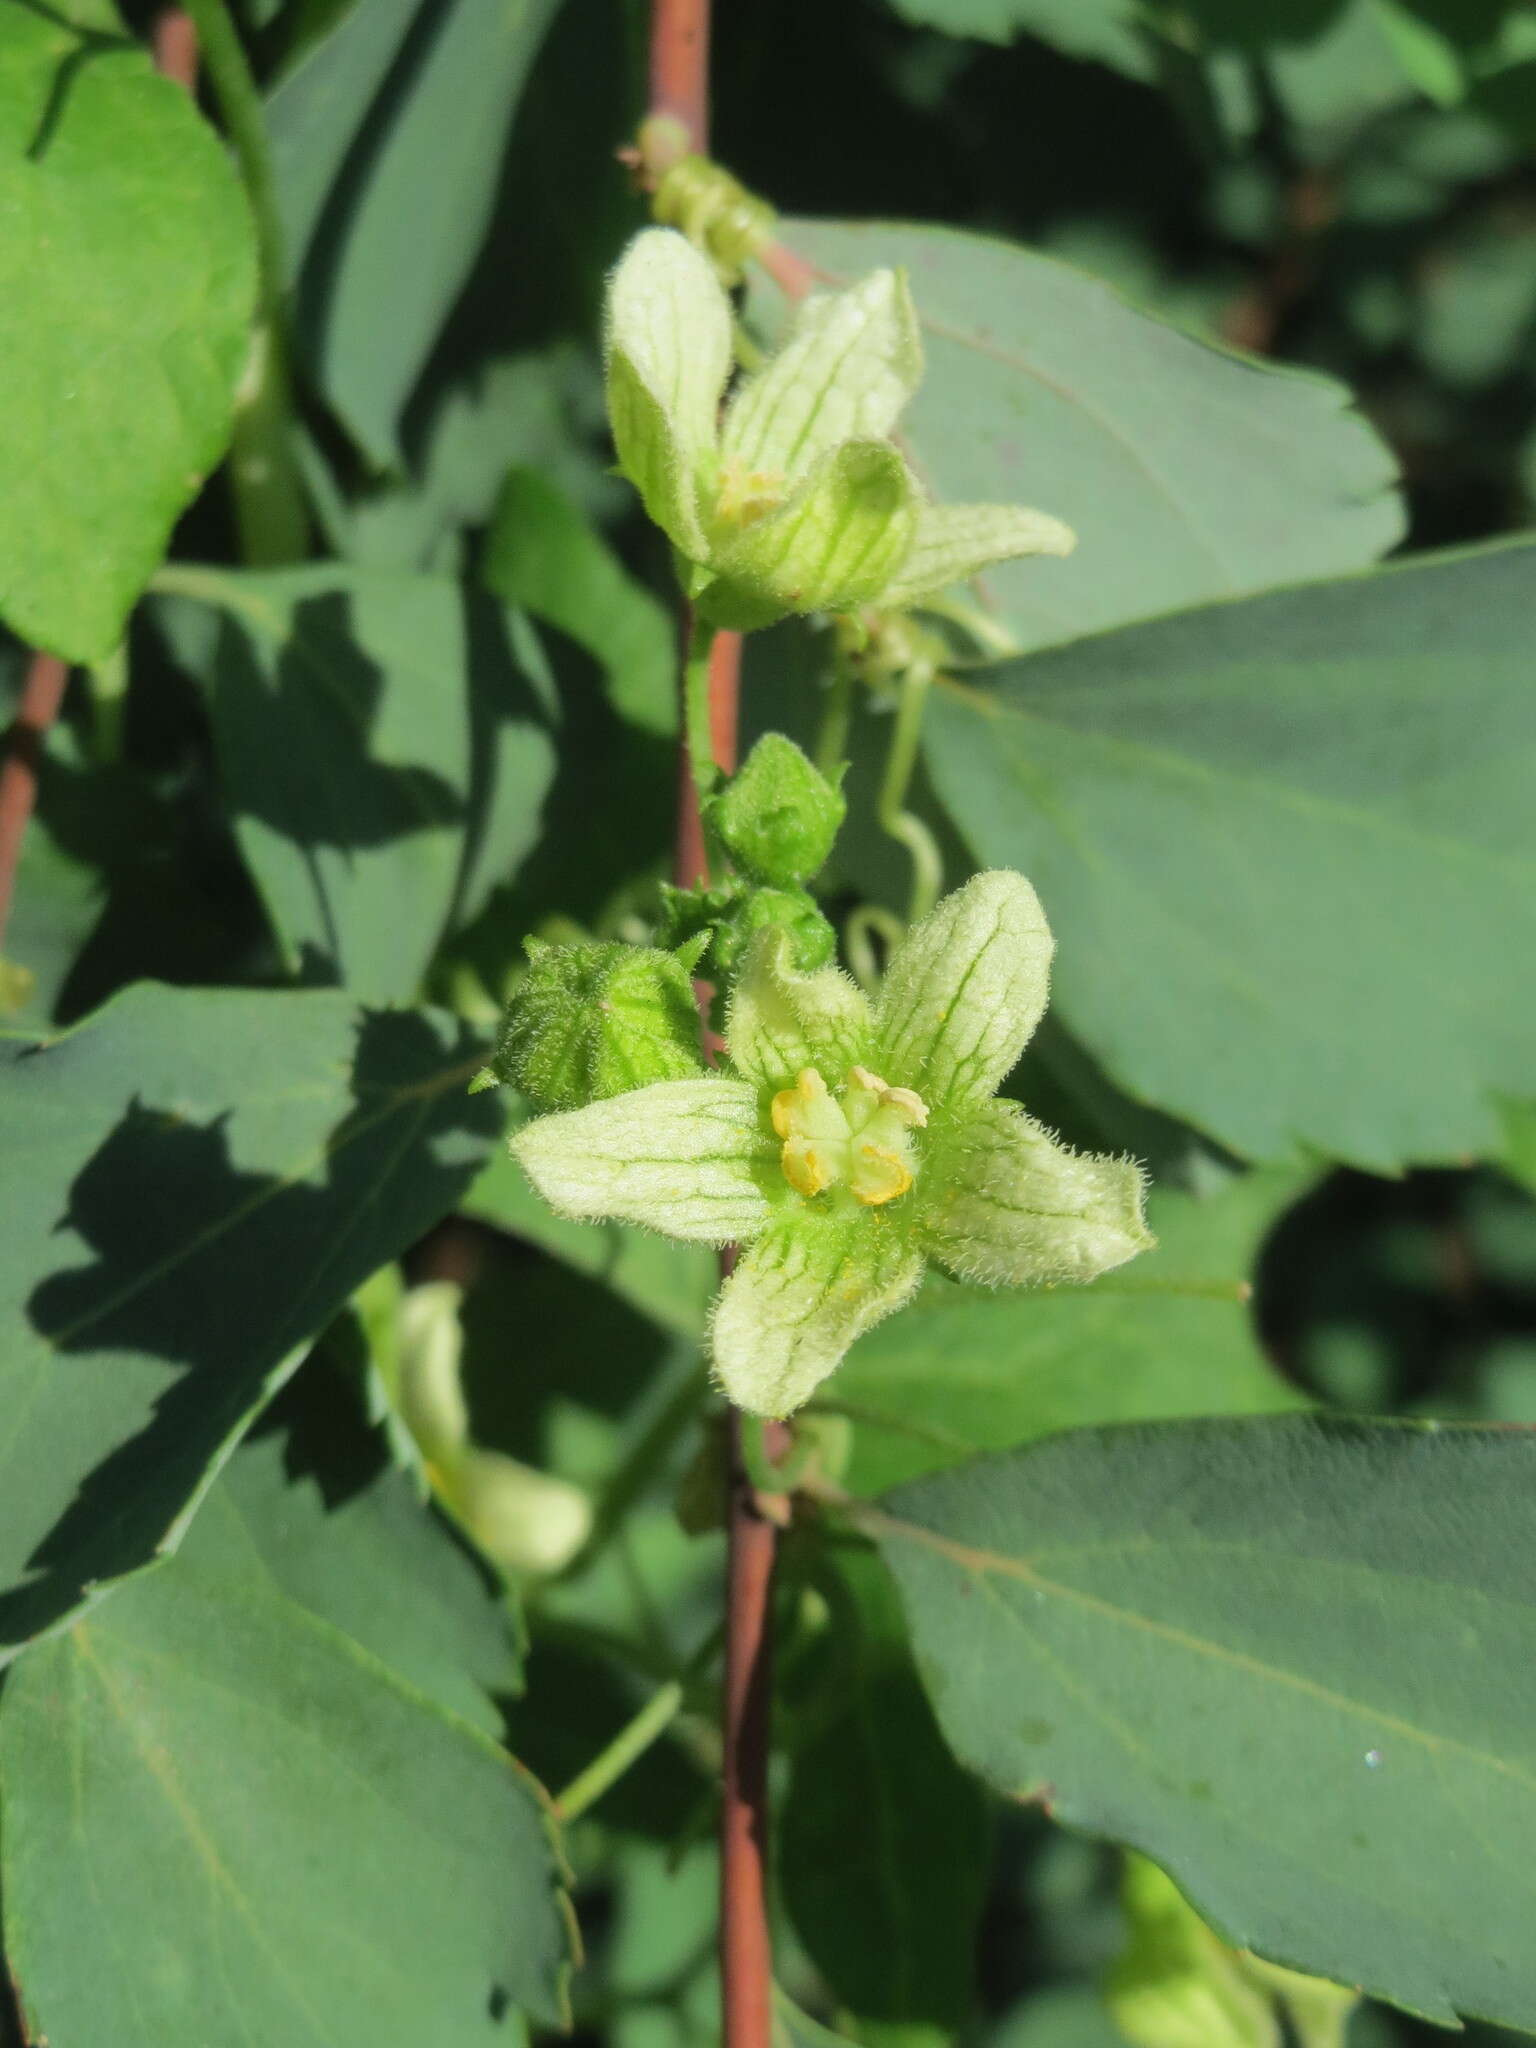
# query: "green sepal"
{"points": [[1006, 1204], [778, 816], [591, 1021]]}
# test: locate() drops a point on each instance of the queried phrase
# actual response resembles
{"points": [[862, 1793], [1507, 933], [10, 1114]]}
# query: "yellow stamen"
{"points": [[860, 1140], [879, 1175]]}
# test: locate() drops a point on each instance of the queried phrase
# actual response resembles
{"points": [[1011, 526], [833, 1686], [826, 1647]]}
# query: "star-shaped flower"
{"points": [[847, 1143], [797, 501]]}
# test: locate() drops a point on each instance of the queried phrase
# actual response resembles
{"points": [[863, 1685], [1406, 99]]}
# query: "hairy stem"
{"points": [[895, 818], [836, 718], [698, 711], [41, 695], [270, 506], [630, 1744]]}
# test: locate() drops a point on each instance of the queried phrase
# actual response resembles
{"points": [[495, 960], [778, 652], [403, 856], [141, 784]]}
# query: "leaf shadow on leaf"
{"points": [[326, 753], [91, 43], [224, 1274], [305, 736]]}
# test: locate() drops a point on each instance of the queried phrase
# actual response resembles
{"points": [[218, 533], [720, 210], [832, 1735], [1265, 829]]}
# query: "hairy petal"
{"points": [[682, 1157], [779, 1020], [957, 541], [965, 989], [1006, 1203], [810, 1285], [668, 354], [851, 362], [831, 546]]}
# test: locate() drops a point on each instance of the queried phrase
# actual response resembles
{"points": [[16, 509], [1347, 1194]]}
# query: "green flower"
{"points": [[848, 1143], [796, 501]]}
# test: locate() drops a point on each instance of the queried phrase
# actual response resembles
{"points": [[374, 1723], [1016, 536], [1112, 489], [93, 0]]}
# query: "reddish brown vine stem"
{"points": [[41, 696], [679, 75], [174, 42]]}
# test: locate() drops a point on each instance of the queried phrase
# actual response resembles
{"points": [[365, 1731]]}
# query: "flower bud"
{"points": [[592, 1021], [778, 817], [726, 919]]}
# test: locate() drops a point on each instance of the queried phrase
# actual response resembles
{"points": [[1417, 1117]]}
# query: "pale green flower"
{"points": [[797, 500], [847, 1143]]}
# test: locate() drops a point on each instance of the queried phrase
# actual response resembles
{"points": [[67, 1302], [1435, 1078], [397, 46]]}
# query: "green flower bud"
{"points": [[778, 817], [812, 940], [727, 918], [591, 1021]]}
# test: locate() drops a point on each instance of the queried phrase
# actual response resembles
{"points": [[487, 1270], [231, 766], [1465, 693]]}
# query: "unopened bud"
{"points": [[592, 1021], [779, 816]]}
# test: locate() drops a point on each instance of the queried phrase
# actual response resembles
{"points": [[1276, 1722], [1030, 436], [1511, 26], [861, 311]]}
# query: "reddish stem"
{"points": [[680, 66], [690, 863], [794, 277], [41, 696], [746, 1954], [174, 44]]}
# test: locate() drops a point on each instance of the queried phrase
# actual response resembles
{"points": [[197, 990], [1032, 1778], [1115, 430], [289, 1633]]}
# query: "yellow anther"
{"points": [[879, 1175], [806, 1170], [905, 1102]]}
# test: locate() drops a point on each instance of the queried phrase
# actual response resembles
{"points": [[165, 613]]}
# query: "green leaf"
{"points": [[1286, 1657], [1044, 387], [884, 1842], [371, 1560], [1103, 29], [272, 1835], [208, 1175], [542, 554], [966, 1369], [387, 141], [1290, 849], [384, 750], [123, 348]]}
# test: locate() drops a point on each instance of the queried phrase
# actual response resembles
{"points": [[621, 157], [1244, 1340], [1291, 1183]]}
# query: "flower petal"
{"points": [[957, 541], [808, 1287], [833, 545], [779, 1020], [851, 362], [1005, 1202], [668, 353], [965, 990], [682, 1157]]}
